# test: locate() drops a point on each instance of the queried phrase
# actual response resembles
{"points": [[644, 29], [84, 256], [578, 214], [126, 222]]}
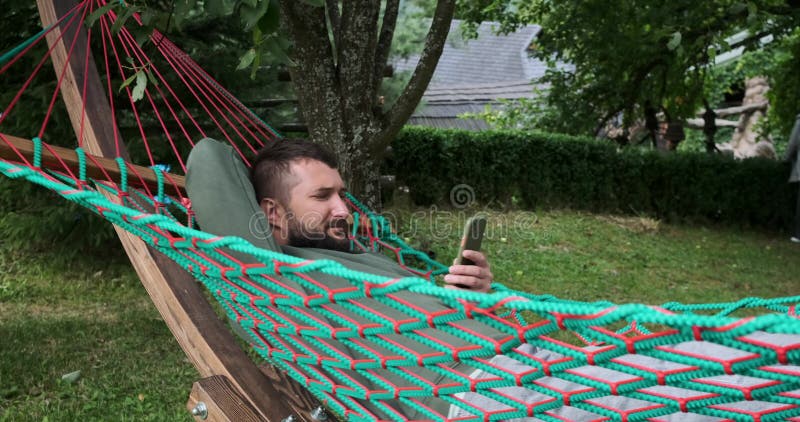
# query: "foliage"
{"points": [[785, 80], [539, 170], [628, 55], [695, 139], [20, 21], [777, 60], [537, 114], [32, 218], [35, 218]]}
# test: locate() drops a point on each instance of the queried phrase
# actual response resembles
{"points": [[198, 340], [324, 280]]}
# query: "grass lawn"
{"points": [[90, 315]]}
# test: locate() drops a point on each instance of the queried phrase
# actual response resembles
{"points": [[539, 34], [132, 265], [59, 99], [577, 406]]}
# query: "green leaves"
{"points": [[141, 83], [138, 89], [628, 53], [252, 11], [139, 79], [183, 9], [315, 3], [124, 12], [122, 17], [94, 16], [247, 59], [270, 20], [219, 8], [674, 41], [263, 21]]}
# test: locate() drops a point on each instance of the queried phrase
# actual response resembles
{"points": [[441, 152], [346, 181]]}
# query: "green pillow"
{"points": [[223, 199]]}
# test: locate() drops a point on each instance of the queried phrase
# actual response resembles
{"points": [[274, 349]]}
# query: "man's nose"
{"points": [[340, 209]]}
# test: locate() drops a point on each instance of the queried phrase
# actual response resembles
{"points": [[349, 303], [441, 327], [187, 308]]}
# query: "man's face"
{"points": [[316, 213]]}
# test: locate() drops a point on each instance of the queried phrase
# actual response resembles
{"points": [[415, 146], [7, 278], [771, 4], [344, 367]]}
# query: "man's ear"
{"points": [[274, 211]]}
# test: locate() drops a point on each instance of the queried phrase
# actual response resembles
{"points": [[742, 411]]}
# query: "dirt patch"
{"points": [[99, 312], [633, 224]]}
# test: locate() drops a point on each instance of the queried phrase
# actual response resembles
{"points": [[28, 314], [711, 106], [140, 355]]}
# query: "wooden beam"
{"points": [[12, 147], [699, 123], [205, 339], [723, 112], [730, 111], [220, 402]]}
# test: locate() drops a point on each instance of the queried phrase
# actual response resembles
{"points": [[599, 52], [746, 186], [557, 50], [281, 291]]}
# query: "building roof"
{"points": [[442, 106], [507, 89], [474, 73], [489, 58]]}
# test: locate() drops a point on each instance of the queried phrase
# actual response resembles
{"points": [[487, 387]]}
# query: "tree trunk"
{"points": [[652, 125], [339, 54], [747, 141], [710, 127], [335, 114]]}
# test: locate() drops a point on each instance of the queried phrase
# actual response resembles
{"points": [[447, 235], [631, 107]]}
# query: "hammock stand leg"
{"points": [[205, 339], [216, 399]]}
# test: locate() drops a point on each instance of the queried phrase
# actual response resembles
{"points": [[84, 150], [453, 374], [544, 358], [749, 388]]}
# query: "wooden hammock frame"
{"points": [[232, 387]]}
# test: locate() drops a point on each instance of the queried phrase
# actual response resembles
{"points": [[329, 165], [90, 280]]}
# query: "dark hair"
{"points": [[271, 165]]}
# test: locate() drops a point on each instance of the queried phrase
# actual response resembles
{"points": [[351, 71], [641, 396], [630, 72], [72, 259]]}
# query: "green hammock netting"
{"points": [[373, 347], [709, 365]]}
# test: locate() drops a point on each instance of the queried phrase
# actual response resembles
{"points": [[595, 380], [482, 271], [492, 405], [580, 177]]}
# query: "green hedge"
{"points": [[542, 170]]}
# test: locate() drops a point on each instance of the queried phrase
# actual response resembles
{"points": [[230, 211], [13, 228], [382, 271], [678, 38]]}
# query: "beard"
{"points": [[305, 237]]}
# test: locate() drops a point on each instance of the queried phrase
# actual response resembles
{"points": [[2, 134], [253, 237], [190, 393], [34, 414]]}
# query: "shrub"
{"points": [[544, 170]]}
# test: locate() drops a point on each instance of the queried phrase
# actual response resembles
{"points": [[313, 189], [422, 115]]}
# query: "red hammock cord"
{"points": [[160, 102]]}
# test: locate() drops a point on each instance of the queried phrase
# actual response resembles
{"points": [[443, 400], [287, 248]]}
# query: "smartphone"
{"points": [[473, 235]]}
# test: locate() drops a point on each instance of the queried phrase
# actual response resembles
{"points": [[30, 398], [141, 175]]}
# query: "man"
{"points": [[793, 156], [302, 193]]}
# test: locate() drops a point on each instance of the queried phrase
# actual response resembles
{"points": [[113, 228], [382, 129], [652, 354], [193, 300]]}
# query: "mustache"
{"points": [[338, 224]]}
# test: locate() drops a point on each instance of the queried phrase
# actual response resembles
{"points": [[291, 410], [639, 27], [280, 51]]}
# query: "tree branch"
{"points": [[385, 41], [332, 9], [605, 119], [408, 100]]}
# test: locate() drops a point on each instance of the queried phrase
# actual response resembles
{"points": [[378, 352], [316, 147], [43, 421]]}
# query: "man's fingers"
{"points": [[477, 257], [471, 283], [477, 277], [472, 270], [458, 279]]}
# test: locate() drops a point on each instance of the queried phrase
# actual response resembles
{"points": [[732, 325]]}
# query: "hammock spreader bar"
{"points": [[99, 168]]}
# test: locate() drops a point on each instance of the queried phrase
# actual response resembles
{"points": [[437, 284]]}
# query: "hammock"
{"points": [[368, 346]]}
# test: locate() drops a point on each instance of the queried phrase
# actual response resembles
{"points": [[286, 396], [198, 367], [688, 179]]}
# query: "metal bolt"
{"points": [[200, 410], [319, 414], [289, 418]]}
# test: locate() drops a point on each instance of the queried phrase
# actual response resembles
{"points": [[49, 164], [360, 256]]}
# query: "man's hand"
{"points": [[476, 278]]}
